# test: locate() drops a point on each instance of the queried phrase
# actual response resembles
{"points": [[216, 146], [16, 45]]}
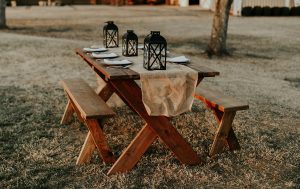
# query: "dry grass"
{"points": [[37, 152]]}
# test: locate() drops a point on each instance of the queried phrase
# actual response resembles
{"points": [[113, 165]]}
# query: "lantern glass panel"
{"points": [[110, 35], [155, 52], [132, 49], [124, 46]]}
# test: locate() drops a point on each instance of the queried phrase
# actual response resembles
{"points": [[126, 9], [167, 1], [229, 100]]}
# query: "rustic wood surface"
{"points": [[100, 141], [221, 136], [117, 73], [87, 150], [90, 109], [232, 140], [85, 99], [78, 113], [224, 109], [67, 114], [108, 72], [218, 100]]}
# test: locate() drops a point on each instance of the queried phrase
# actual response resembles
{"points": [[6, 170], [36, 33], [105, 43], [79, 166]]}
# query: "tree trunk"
{"points": [[2, 14], [217, 45]]}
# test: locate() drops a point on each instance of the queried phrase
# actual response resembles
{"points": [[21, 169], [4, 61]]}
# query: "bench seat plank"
{"points": [[217, 100], [87, 101]]}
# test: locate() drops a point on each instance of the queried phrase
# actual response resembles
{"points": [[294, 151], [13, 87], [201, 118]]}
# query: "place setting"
{"points": [[108, 59], [94, 48], [117, 63], [100, 56], [100, 52], [178, 59]]}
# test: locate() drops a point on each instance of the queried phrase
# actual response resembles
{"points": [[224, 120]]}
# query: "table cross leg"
{"points": [[106, 92], [133, 153], [130, 92]]}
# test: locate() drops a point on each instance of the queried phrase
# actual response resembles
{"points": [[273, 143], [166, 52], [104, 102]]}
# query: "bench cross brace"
{"points": [[224, 135]]}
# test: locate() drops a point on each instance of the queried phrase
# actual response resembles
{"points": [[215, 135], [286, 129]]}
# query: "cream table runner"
{"points": [[167, 92]]}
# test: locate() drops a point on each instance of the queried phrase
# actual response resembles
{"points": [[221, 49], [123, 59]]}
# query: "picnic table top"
{"points": [[117, 73]]}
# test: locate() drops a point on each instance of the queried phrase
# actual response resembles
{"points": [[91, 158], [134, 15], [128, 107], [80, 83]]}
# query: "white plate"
{"points": [[179, 59], [141, 46], [104, 55], [116, 62], [96, 49]]}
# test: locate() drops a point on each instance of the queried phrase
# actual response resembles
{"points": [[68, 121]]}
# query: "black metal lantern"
{"points": [[155, 49], [110, 35], [130, 44]]}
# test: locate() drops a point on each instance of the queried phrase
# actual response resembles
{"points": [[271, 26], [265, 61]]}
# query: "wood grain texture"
{"points": [[100, 141], [106, 92], [219, 101], [110, 73], [67, 114], [203, 71], [221, 135], [232, 140], [79, 116], [85, 99], [133, 153], [86, 150], [116, 73], [132, 96]]}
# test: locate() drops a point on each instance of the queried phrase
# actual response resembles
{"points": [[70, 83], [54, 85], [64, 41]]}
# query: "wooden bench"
{"points": [[90, 110], [224, 109]]}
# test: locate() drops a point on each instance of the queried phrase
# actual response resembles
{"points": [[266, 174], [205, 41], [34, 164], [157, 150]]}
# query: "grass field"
{"points": [[264, 70]]}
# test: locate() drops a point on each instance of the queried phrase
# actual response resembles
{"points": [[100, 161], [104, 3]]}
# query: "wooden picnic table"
{"points": [[122, 82]]}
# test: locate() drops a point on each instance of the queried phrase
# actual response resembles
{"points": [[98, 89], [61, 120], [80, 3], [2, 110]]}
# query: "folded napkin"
{"points": [[178, 59], [116, 62], [167, 92]]}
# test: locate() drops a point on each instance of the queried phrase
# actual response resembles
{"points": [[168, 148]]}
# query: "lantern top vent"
{"points": [[110, 26], [155, 37], [130, 35]]}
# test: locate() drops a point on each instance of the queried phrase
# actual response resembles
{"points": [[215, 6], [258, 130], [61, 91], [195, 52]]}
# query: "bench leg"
{"points": [[222, 134], [232, 140], [99, 141], [67, 114], [86, 150], [79, 117]]}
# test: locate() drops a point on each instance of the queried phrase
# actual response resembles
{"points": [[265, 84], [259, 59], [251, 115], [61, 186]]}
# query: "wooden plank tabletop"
{"points": [[117, 73], [108, 72]]}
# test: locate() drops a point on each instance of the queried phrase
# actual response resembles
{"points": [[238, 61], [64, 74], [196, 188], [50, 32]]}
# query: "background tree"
{"points": [[2, 14], [217, 45]]}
